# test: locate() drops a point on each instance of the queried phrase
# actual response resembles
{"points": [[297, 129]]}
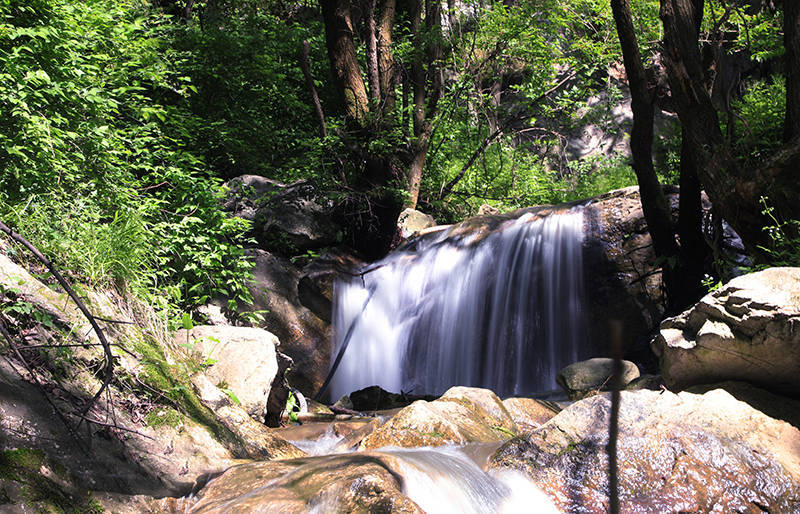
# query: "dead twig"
{"points": [[109, 364]]}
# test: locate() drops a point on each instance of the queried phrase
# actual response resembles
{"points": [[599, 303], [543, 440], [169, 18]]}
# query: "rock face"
{"points": [[304, 337], [283, 214], [619, 263], [363, 483], [462, 415], [582, 378], [260, 442], [749, 330], [412, 222], [240, 359], [529, 414], [315, 288], [623, 281], [677, 452]]}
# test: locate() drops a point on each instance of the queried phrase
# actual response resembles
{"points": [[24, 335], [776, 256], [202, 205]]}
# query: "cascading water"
{"points": [[504, 312]]}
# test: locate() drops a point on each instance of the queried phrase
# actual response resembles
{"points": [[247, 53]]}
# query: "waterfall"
{"points": [[501, 310]]}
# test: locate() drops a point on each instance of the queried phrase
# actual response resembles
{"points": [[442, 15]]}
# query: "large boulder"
{"points": [[361, 483], [530, 414], [286, 217], [241, 360], [748, 330], [304, 337], [623, 278], [582, 378], [411, 222], [676, 452], [462, 415]]}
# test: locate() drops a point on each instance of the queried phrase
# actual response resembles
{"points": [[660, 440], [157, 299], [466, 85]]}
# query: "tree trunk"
{"points": [[386, 67], [372, 53], [656, 210], [712, 158], [306, 67], [344, 61], [694, 249]]}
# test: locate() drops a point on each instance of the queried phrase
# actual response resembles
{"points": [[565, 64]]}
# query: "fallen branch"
{"points": [[109, 365]]}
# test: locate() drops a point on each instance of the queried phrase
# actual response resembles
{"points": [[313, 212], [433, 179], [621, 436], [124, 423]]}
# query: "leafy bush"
{"points": [[92, 148]]}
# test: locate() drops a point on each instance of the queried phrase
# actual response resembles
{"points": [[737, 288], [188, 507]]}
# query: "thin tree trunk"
{"points": [[305, 66], [372, 53], [694, 249]]}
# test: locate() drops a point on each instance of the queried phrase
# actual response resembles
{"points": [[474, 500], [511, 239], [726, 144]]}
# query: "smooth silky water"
{"points": [[505, 312]]}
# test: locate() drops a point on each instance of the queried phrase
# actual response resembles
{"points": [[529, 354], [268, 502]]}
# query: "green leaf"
{"points": [[186, 321]]}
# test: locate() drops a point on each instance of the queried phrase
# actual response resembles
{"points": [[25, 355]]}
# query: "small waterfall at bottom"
{"points": [[502, 311]]}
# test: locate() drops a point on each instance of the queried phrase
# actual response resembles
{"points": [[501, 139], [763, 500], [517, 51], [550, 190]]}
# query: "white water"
{"points": [[443, 480], [504, 313], [440, 480]]}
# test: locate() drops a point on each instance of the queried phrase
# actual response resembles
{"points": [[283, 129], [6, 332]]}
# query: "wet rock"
{"points": [[240, 359], [677, 452], [748, 330], [620, 263], [587, 377], [259, 441], [529, 414], [374, 398], [286, 217], [773, 405], [366, 483], [304, 337], [651, 382], [411, 222], [315, 287], [463, 415]]}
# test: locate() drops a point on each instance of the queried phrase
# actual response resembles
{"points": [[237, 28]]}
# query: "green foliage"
{"points": [[758, 125], [784, 236], [291, 405], [95, 169]]}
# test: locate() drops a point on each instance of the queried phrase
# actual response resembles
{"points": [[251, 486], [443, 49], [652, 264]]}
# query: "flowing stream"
{"points": [[502, 310]]}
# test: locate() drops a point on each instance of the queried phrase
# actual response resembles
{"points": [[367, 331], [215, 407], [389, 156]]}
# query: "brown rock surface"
{"points": [[240, 359], [677, 452], [462, 415], [528, 413], [304, 337], [348, 483]]}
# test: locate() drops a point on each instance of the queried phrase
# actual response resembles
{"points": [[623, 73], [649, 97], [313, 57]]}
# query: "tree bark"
{"points": [[386, 66], [735, 193], [344, 60], [427, 82], [312, 89], [656, 210], [372, 53]]}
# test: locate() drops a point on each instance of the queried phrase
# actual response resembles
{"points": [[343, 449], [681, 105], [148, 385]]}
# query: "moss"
{"points": [[25, 469], [162, 417], [503, 430], [174, 381]]}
